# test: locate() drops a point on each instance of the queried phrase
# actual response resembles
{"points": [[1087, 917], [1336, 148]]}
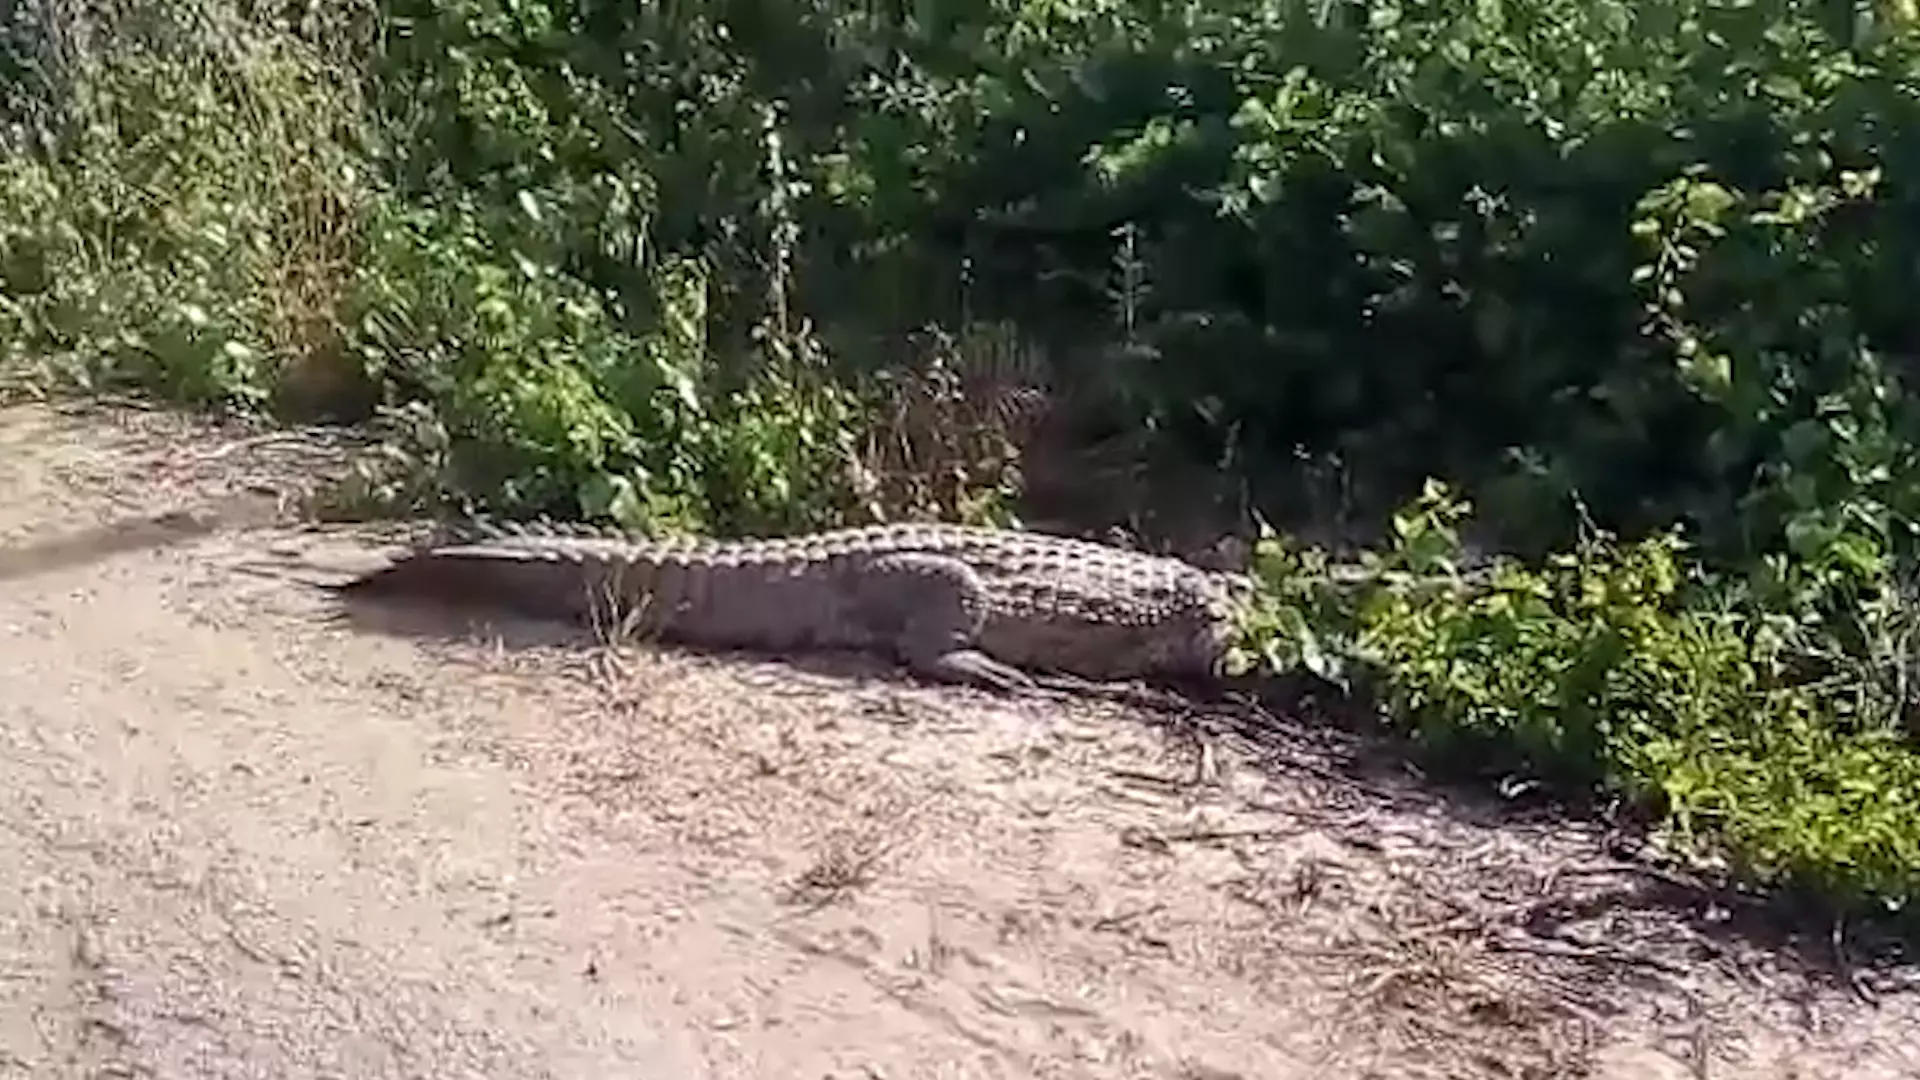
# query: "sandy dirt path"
{"points": [[243, 835]]}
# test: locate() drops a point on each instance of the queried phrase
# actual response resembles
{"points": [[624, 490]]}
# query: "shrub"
{"points": [[1618, 670], [191, 230]]}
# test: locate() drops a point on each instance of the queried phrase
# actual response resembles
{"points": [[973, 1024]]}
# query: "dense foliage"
{"points": [[1625, 275]]}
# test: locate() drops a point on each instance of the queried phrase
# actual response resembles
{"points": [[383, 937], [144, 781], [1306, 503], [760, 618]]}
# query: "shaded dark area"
{"points": [[145, 533]]}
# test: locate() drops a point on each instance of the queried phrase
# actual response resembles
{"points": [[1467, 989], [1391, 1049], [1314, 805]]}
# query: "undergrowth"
{"points": [[1632, 277], [1625, 672]]}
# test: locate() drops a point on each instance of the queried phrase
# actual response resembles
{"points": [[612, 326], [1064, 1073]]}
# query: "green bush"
{"points": [[191, 231], [1414, 237], [233, 215], [1617, 670]]}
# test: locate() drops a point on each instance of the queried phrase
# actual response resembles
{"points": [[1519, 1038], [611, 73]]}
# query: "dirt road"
{"points": [[242, 835]]}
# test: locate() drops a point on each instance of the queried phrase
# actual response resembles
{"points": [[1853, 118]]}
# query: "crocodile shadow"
{"points": [[454, 623], [89, 546], [145, 532]]}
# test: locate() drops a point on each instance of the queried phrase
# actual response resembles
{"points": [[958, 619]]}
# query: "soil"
{"points": [[246, 833]]}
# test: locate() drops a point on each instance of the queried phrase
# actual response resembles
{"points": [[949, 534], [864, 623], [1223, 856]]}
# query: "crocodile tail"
{"points": [[523, 579]]}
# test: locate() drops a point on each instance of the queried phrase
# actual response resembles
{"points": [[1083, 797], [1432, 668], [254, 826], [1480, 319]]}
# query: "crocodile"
{"points": [[955, 603]]}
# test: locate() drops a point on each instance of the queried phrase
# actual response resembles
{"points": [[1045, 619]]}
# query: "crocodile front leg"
{"points": [[929, 610]]}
